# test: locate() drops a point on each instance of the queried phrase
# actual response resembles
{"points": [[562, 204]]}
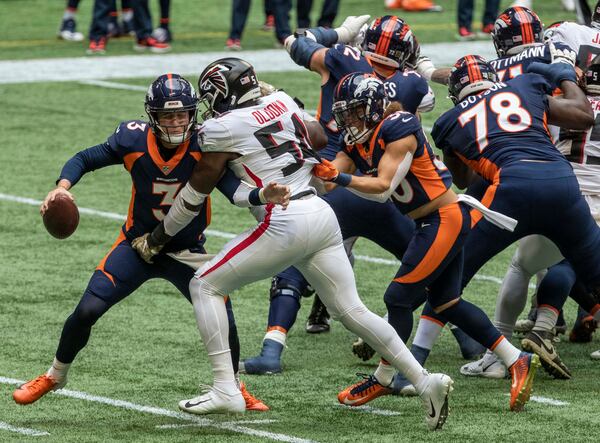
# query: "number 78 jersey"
{"points": [[271, 140], [504, 124]]}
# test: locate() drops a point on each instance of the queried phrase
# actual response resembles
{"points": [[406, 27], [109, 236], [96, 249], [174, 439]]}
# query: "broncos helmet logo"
{"points": [[214, 77], [370, 84]]}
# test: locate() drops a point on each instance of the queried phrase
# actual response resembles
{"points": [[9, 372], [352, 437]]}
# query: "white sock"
{"points": [[58, 371], [546, 318], [384, 373], [211, 318], [127, 15], [428, 331], [69, 14], [506, 352], [276, 335]]}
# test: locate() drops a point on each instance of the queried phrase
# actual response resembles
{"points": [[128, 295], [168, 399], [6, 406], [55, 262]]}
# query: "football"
{"points": [[62, 217]]}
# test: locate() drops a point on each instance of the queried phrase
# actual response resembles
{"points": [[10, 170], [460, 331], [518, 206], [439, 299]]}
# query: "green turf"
{"points": [[147, 350], [28, 27]]}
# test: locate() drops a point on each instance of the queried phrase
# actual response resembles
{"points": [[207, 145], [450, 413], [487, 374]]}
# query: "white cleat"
{"points": [[214, 401], [435, 400], [595, 355], [488, 367]]}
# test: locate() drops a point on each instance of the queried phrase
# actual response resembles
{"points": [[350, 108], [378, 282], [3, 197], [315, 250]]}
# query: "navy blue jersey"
{"points": [[408, 88], [512, 66], [427, 178], [156, 182], [506, 123]]}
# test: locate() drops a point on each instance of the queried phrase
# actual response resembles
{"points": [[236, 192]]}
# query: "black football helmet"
{"points": [[591, 83], [171, 93], [515, 27], [390, 41], [470, 74], [226, 84]]}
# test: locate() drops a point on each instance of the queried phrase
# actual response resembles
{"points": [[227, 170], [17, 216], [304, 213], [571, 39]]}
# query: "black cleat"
{"points": [[318, 319]]}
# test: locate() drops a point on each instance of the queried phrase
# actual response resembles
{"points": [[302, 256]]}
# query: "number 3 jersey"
{"points": [[156, 182], [427, 178], [505, 124], [270, 139]]}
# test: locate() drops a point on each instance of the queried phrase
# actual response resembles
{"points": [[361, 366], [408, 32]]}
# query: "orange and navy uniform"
{"points": [[511, 66], [155, 181], [433, 258], [427, 177], [502, 135], [406, 87]]}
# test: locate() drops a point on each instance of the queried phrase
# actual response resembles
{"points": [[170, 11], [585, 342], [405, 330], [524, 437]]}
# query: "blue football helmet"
{"points": [[470, 74], [168, 94], [515, 27], [390, 41], [359, 106]]}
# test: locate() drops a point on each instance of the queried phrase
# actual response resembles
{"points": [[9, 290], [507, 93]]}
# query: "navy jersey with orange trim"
{"points": [[427, 178], [155, 183], [407, 87], [505, 124], [511, 66]]}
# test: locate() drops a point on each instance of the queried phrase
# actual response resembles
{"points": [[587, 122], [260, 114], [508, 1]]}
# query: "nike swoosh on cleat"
{"points": [[351, 402], [432, 414], [190, 404], [551, 351]]}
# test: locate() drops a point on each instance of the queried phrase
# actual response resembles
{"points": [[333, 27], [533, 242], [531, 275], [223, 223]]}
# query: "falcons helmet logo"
{"points": [[214, 78]]}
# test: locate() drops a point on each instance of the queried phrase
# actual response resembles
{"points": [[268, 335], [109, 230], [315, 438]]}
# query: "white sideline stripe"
{"points": [[240, 422], [546, 400], [145, 66], [228, 426], [221, 234], [25, 431], [369, 410], [114, 85]]}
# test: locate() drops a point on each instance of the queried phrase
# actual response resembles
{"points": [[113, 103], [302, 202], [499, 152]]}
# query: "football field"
{"points": [[145, 354]]}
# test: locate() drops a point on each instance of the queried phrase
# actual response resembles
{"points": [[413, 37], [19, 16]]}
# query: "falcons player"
{"points": [[262, 139]]}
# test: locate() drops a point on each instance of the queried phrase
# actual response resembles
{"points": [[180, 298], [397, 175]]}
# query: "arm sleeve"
{"points": [[88, 160]]}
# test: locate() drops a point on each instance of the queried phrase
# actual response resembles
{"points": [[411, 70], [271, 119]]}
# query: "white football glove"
{"points": [[358, 40], [351, 27], [562, 55]]}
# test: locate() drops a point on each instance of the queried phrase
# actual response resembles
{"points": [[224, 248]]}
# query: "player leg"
{"points": [[286, 291], [68, 25], [163, 32], [552, 294], [99, 26], [332, 277], [120, 273]]}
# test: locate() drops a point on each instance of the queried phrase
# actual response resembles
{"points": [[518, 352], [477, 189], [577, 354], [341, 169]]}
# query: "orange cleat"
{"points": [[35, 389], [522, 373], [414, 5], [363, 392], [252, 403]]}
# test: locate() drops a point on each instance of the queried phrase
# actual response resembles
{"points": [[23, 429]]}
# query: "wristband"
{"points": [[342, 179]]}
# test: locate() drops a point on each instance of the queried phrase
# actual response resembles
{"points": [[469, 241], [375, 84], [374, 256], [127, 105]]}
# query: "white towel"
{"points": [[496, 218]]}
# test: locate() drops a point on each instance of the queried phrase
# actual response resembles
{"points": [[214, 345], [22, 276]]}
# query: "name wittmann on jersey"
{"points": [[473, 98], [270, 112], [533, 52]]}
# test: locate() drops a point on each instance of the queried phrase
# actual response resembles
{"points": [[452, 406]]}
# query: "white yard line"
{"points": [[221, 234], [547, 400], [204, 422], [147, 66], [24, 431], [369, 410], [239, 422], [114, 85]]}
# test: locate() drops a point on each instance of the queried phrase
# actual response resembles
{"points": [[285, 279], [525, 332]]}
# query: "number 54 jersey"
{"points": [[505, 124], [271, 140]]}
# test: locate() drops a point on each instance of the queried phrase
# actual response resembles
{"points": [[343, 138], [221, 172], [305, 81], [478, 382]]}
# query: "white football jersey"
{"points": [[582, 39], [582, 149], [271, 140]]}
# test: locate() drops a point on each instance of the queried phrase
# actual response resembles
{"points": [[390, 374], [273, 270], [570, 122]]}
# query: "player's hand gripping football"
{"points": [[351, 27], [562, 55], [52, 195], [277, 194], [147, 252], [326, 171]]}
